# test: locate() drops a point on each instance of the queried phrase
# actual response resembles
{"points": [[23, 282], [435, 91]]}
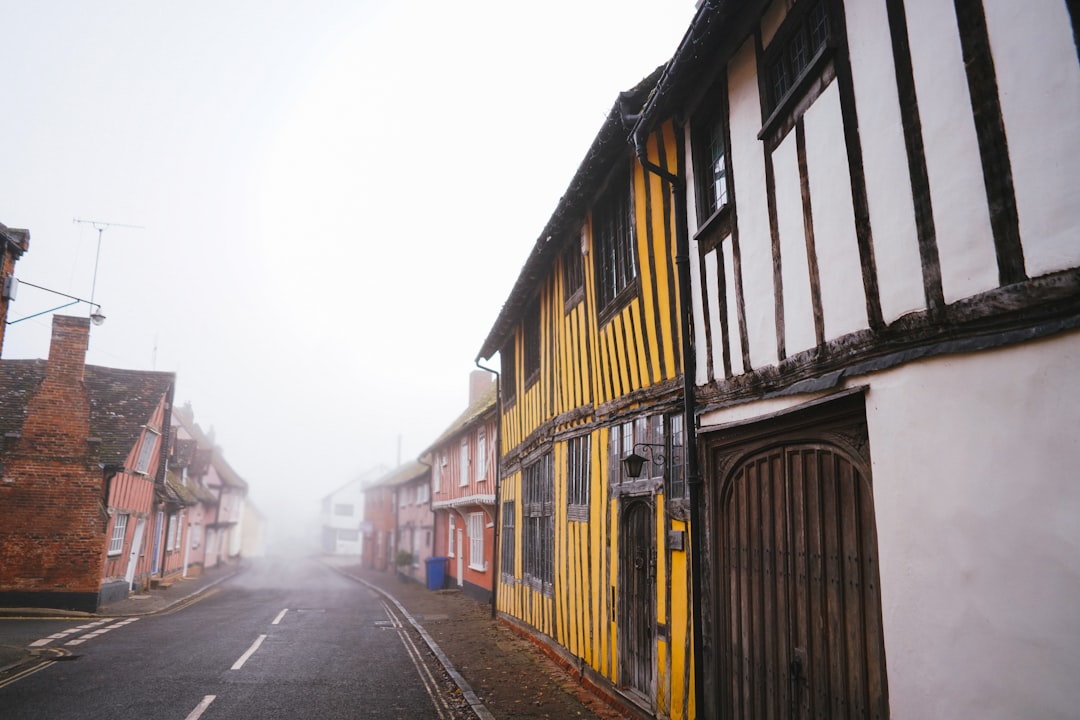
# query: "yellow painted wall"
{"points": [[585, 364]]}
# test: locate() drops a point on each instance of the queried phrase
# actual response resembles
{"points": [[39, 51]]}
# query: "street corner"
{"points": [[18, 661]]}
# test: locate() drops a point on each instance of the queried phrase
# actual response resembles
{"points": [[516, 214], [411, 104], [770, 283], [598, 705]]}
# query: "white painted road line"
{"points": [[71, 631], [250, 651], [201, 707], [91, 635], [279, 616]]}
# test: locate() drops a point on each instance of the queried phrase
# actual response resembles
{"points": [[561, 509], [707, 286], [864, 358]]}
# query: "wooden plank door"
{"points": [[637, 562], [800, 625]]}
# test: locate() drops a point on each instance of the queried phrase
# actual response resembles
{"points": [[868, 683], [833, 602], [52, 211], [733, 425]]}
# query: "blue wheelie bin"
{"points": [[436, 572]]}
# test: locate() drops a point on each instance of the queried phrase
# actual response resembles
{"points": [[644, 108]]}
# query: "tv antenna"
{"points": [[100, 226]]}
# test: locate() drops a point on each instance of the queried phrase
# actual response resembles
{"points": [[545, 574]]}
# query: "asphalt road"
{"points": [[283, 640]]}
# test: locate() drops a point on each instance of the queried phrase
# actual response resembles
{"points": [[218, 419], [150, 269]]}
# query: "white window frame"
{"points": [[481, 455], [116, 541], [450, 535], [170, 534], [146, 451], [465, 464], [196, 534], [179, 530], [474, 523], [436, 472]]}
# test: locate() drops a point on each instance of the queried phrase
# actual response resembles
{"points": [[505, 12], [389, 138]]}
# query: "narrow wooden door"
{"points": [[637, 592], [800, 609]]}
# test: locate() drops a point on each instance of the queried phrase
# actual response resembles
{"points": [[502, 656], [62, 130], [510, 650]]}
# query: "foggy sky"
{"points": [[332, 199]]}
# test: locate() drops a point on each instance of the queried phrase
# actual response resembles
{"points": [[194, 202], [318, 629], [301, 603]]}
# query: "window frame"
{"points": [[119, 534], [465, 464], [578, 477], [573, 271], [451, 517], [149, 444], [508, 541], [474, 529], [615, 261], [712, 118], [481, 455], [538, 524], [170, 533], [339, 506], [807, 81], [532, 342]]}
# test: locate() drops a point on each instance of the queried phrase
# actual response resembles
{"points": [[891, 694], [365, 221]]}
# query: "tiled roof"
{"points": [[401, 474], [121, 401], [480, 407]]}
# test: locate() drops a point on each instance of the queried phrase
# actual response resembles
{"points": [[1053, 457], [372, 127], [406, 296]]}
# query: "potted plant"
{"points": [[404, 561]]}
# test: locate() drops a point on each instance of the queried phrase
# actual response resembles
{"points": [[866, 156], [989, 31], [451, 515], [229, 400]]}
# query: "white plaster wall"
{"points": [[794, 266], [957, 191], [712, 288], [976, 474], [885, 165], [1039, 87], [734, 331], [755, 242], [843, 298]]}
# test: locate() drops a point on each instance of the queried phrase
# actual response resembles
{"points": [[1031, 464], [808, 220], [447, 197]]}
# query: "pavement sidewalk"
{"points": [[507, 674]]}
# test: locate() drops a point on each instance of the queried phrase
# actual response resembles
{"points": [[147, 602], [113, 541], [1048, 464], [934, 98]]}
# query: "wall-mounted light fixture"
{"points": [[11, 285], [653, 452]]}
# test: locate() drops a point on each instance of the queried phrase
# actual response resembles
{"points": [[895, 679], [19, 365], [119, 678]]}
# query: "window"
{"points": [[531, 359], [345, 509], [346, 535], [538, 532], [170, 534], [423, 494], [437, 470], [450, 543], [615, 265], [676, 473], [577, 478], [506, 559], [179, 531], [146, 452], [710, 158], [474, 526], [466, 466], [116, 542], [509, 375], [794, 51], [481, 455], [196, 534], [573, 274]]}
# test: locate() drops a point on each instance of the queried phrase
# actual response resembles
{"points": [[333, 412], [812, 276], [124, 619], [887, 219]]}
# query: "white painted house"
{"points": [[342, 515], [882, 216]]}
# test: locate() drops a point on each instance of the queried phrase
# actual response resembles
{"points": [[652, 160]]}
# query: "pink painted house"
{"points": [[213, 521], [463, 487], [415, 521]]}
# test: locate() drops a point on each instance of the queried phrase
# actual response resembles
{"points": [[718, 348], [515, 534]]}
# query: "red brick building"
{"points": [[81, 457], [13, 243]]}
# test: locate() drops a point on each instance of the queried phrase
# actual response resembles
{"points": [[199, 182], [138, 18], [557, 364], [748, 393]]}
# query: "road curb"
{"points": [[178, 601], [467, 692]]}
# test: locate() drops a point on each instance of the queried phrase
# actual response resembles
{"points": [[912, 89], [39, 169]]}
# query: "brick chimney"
{"points": [[67, 351], [479, 382]]}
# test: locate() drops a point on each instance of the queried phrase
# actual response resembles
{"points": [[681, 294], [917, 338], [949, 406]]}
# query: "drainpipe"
{"points": [[693, 474], [496, 552]]}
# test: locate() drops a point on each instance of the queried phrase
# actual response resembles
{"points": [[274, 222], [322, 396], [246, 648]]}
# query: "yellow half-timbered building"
{"points": [[590, 345]]}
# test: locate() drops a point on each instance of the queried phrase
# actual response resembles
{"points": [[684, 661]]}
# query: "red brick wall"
{"points": [[53, 522]]}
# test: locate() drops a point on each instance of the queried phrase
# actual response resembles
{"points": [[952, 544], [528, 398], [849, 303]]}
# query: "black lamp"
{"points": [[634, 463]]}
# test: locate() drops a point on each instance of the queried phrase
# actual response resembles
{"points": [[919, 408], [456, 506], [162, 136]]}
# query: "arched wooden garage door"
{"points": [[798, 606]]}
